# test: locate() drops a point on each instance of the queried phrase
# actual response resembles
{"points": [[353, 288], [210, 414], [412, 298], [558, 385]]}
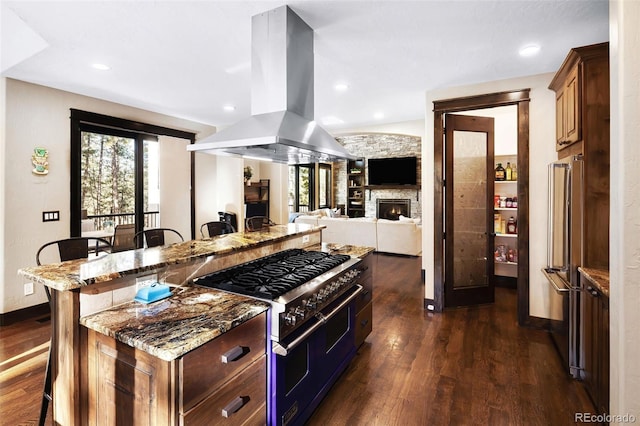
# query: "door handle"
{"points": [[283, 349]]}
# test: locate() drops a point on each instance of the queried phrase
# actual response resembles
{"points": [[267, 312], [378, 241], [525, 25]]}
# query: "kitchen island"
{"points": [[85, 287]]}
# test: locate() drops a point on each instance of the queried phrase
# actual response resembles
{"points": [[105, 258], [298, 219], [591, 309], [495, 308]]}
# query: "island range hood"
{"points": [[281, 127]]}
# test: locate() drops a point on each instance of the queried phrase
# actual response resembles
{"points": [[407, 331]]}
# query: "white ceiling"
{"points": [[190, 58]]}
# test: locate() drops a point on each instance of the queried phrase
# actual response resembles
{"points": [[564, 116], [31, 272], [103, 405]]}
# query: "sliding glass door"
{"points": [[118, 180]]}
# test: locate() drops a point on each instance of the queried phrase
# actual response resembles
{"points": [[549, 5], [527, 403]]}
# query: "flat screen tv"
{"points": [[393, 171]]}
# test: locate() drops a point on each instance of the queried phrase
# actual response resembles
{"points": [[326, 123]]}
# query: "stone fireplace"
{"points": [[392, 208]]}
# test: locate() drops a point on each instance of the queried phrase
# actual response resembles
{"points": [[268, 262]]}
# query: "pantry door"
{"points": [[468, 216]]}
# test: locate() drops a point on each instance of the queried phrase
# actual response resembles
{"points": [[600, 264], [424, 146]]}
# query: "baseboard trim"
{"points": [[431, 305], [538, 323], [24, 314]]}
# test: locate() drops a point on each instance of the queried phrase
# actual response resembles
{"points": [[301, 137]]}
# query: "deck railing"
{"points": [[104, 221]]}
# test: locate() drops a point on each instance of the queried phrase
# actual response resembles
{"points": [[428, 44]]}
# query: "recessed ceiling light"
{"points": [[378, 115], [529, 50], [341, 87], [101, 67], [229, 107]]}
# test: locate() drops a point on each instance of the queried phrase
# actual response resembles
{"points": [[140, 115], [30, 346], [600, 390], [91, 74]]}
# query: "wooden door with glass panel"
{"points": [[469, 234]]}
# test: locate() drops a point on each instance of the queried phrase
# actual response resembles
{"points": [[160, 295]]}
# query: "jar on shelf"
{"points": [[509, 202], [512, 226], [500, 172], [497, 224]]}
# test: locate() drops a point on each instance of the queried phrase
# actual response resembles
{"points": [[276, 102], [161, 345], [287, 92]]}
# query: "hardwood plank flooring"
{"points": [[24, 350], [466, 366]]}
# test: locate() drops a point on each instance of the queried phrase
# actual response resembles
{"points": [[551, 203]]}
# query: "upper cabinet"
{"points": [[582, 119], [582, 93], [568, 110]]}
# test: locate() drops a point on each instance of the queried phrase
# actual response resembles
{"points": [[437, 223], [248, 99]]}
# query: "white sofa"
{"points": [[399, 236], [357, 232], [389, 236]]}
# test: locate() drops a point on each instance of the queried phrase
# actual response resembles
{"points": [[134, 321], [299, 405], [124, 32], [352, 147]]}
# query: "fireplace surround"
{"points": [[387, 208]]}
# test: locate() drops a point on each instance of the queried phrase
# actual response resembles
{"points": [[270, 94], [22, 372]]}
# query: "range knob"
{"points": [[299, 311], [290, 319], [312, 303]]}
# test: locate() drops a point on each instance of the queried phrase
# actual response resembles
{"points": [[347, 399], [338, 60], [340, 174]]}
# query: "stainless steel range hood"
{"points": [[282, 126]]}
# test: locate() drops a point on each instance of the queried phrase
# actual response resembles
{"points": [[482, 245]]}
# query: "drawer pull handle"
{"points": [[363, 323], [234, 406], [234, 354]]}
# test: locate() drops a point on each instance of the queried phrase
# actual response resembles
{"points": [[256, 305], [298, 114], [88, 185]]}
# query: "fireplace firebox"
{"points": [[392, 208]]}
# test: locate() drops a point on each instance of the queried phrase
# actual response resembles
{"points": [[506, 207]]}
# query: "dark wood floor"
{"points": [[466, 366], [469, 366]]}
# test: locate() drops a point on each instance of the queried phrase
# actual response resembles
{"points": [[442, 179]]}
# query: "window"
{"points": [[304, 192], [324, 186], [115, 173]]}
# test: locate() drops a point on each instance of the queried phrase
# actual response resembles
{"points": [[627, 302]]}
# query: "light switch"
{"points": [[51, 216]]}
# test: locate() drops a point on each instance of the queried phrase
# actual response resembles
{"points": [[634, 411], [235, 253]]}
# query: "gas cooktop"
{"points": [[274, 275]]}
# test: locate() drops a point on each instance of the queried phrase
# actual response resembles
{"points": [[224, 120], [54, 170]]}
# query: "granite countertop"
{"points": [[171, 327], [75, 274], [332, 248], [597, 277]]}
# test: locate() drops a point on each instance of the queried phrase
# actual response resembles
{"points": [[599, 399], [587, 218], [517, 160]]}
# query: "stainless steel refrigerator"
{"points": [[564, 254]]}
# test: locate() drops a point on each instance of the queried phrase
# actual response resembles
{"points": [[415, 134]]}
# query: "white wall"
{"points": [[278, 175], [505, 127], [175, 185], [206, 193], [229, 188], [39, 116], [3, 129], [541, 152], [625, 214], [414, 127]]}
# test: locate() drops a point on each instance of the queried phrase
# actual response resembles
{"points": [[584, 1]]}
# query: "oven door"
{"points": [[303, 368]]}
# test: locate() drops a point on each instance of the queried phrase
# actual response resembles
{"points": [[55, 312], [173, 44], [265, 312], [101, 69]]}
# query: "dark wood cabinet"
{"points": [[221, 382], [568, 103], [364, 302], [595, 345], [256, 198], [582, 128], [355, 188], [582, 91]]}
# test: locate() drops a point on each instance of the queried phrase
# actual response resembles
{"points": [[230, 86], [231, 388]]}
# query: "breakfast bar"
{"points": [[91, 301]]}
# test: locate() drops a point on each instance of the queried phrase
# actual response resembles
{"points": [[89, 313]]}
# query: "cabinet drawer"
{"points": [[366, 294], [363, 324], [240, 401], [208, 367]]}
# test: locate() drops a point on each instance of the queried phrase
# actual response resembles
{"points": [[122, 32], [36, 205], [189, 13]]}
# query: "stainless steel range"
{"points": [[311, 323]]}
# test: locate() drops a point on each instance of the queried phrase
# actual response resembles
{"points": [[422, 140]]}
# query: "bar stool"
{"points": [[256, 223], [68, 249], [156, 236], [216, 228]]}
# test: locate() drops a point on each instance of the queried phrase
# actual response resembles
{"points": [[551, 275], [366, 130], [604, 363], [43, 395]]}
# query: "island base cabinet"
{"points": [[364, 312], [241, 401], [126, 386], [595, 342]]}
